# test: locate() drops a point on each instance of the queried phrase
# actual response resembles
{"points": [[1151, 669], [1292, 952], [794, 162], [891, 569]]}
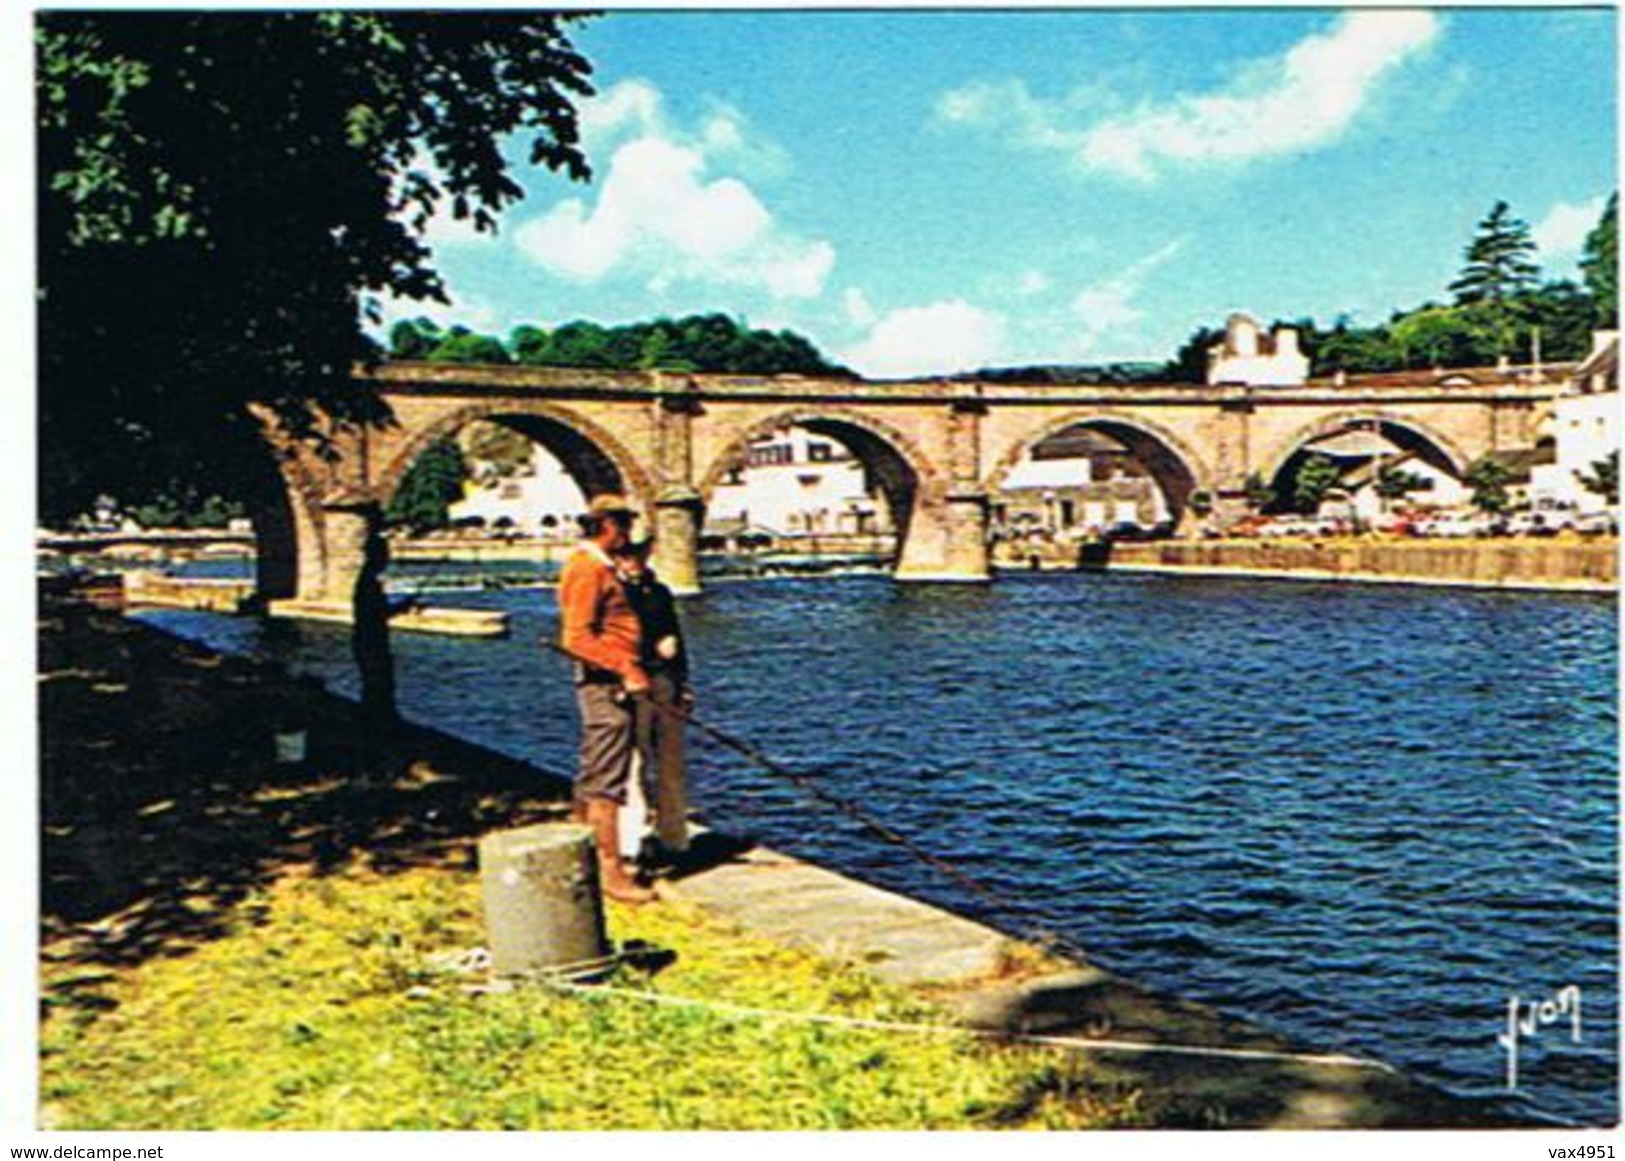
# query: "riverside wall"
{"points": [[1574, 565]]}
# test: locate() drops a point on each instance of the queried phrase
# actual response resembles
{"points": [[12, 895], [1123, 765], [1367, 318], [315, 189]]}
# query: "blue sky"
{"points": [[922, 192]]}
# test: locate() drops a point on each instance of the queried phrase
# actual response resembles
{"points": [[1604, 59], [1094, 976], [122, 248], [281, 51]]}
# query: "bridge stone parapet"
{"points": [[936, 448]]}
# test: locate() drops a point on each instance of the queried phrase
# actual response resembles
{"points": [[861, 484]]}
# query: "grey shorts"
{"points": [[607, 737]]}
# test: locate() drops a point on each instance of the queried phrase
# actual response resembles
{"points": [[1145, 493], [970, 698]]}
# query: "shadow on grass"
{"points": [[163, 806]]}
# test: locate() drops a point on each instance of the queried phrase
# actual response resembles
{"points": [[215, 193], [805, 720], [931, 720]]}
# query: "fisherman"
{"points": [[660, 715], [599, 628]]}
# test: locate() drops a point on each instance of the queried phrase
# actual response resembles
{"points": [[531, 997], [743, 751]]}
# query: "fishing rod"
{"points": [[866, 819]]}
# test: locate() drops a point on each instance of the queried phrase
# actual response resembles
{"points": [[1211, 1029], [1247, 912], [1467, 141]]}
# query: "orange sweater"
{"points": [[596, 622]]}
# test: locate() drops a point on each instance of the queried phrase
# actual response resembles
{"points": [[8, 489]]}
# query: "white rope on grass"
{"points": [[1069, 1042]]}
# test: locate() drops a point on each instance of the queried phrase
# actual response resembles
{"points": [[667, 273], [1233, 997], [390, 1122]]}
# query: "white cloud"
{"points": [[1304, 99], [1032, 282], [939, 339], [1562, 232], [858, 308], [1009, 107], [661, 216], [1107, 307], [630, 108], [471, 311]]}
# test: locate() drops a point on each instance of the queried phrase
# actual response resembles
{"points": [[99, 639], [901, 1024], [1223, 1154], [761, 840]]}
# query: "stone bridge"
{"points": [[937, 448]]}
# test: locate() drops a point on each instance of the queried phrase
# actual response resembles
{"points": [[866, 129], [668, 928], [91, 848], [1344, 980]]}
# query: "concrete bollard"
{"points": [[542, 903]]}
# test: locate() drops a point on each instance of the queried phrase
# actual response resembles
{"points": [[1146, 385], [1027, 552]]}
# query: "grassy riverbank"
{"points": [[330, 1004], [233, 944]]}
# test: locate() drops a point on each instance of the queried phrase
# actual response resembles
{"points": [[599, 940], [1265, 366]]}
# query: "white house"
{"points": [[1078, 478], [1362, 455], [1249, 357], [1585, 427], [795, 482], [539, 499]]}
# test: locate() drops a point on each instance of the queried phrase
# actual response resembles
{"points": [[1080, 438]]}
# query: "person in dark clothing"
{"points": [[379, 719], [659, 714]]}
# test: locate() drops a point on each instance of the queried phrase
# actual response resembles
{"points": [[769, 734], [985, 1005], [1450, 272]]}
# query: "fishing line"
{"points": [[1022, 912], [560, 982]]}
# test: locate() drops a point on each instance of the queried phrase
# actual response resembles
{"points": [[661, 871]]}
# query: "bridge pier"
{"points": [[346, 528], [947, 541], [948, 535], [678, 514]]}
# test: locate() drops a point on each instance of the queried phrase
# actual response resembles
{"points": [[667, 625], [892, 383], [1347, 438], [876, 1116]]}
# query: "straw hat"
{"points": [[610, 503]]}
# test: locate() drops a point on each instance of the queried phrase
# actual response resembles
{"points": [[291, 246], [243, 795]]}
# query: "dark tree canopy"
{"points": [[703, 343], [222, 194], [1316, 476], [1488, 479], [431, 485], [1603, 478], [1599, 263]]}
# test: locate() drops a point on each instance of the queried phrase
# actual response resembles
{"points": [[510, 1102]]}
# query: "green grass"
{"points": [[326, 1007]]}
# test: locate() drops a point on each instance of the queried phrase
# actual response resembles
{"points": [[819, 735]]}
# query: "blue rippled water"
{"points": [[1365, 816]]}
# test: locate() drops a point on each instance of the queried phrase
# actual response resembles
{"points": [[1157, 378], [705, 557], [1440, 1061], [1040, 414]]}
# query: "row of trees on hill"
{"points": [[1499, 304], [701, 342]]}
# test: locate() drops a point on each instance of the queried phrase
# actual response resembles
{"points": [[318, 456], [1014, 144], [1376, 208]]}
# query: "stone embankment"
{"points": [[1556, 564], [155, 590]]}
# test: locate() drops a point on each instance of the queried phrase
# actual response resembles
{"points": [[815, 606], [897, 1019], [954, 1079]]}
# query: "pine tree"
{"points": [[1599, 262], [1500, 261]]}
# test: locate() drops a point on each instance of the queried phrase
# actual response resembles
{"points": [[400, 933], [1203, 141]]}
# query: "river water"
{"points": [[1366, 816]]}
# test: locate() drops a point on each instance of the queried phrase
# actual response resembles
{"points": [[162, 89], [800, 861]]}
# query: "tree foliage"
{"points": [[505, 450], [1259, 494], [702, 342], [1189, 364], [222, 195], [1316, 476], [1500, 260], [1445, 336], [1500, 304], [1603, 478], [185, 506], [431, 485], [1488, 479], [1395, 483], [1599, 263]]}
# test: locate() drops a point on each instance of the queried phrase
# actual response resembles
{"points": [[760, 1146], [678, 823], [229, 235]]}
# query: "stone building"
{"points": [[539, 499], [1250, 357], [1076, 480], [1584, 429]]}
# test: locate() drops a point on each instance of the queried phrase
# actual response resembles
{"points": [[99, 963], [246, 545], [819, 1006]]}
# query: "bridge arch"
{"points": [[1413, 435], [907, 478], [289, 532], [1176, 467], [593, 457]]}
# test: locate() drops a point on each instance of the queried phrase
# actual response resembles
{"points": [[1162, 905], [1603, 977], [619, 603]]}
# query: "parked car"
{"points": [[1533, 523], [1452, 525], [1303, 526], [1596, 524], [1132, 530]]}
